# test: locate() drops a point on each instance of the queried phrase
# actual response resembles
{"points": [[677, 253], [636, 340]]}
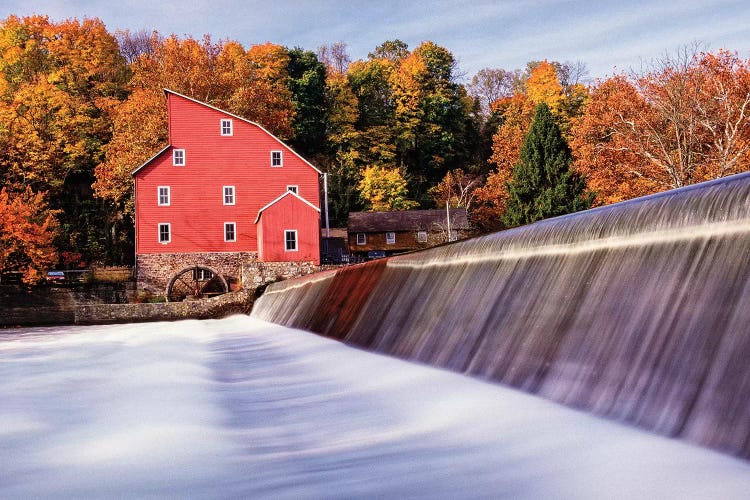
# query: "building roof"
{"points": [[287, 193], [406, 220]]}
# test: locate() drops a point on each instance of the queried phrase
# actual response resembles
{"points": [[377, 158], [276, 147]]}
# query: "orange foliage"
{"points": [[457, 188], [27, 229], [491, 199], [686, 121], [604, 153], [543, 86], [139, 132], [517, 113], [53, 94]]}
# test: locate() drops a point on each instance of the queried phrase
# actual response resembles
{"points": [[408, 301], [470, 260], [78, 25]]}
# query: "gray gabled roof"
{"points": [[406, 220]]}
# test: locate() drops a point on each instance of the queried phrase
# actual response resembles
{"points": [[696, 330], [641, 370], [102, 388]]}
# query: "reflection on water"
{"points": [[243, 408]]}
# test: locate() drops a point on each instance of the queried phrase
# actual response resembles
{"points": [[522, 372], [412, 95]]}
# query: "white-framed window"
{"points": [[390, 238], [361, 239], [277, 159], [163, 196], [228, 195], [422, 236], [178, 157], [226, 126], [294, 189], [230, 231], [165, 232], [290, 240]]}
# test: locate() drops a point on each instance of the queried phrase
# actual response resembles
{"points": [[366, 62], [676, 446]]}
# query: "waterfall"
{"points": [[638, 311]]}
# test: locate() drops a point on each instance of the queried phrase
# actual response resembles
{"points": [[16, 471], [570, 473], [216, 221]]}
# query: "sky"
{"points": [[608, 36]]}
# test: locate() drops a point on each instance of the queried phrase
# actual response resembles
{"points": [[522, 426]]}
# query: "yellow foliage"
{"points": [[543, 86], [384, 189]]}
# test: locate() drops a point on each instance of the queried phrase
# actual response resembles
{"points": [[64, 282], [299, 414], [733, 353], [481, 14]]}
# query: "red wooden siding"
{"points": [[196, 211], [289, 213]]}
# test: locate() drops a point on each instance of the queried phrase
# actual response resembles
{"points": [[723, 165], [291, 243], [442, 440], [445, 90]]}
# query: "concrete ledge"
{"points": [[240, 302]]}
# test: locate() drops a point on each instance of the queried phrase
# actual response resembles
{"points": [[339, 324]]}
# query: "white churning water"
{"points": [[240, 408]]}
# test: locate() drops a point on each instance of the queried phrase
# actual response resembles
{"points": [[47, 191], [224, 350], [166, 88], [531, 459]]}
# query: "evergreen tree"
{"points": [[543, 185]]}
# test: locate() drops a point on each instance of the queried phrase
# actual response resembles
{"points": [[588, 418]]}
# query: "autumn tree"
{"points": [[434, 127], [685, 120], [457, 189], [384, 189], [554, 84], [27, 232], [543, 86], [613, 169], [490, 85], [543, 184], [54, 102]]}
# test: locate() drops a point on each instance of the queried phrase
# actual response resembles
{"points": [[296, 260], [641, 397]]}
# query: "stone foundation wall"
{"points": [[256, 273], [153, 271]]}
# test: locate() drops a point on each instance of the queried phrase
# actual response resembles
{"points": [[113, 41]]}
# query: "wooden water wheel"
{"points": [[196, 282]]}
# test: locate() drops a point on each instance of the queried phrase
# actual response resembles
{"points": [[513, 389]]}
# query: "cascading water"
{"points": [[638, 311], [240, 408]]}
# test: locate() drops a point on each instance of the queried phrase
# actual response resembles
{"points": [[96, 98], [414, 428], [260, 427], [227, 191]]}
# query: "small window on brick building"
{"points": [[422, 236], [361, 239], [390, 238]]}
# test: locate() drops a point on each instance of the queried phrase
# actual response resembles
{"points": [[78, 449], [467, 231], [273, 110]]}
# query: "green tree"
{"points": [[543, 184], [307, 83]]}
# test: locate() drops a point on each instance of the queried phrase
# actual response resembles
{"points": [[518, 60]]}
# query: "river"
{"points": [[241, 408]]}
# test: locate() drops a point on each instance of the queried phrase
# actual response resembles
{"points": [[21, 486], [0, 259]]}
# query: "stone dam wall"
{"points": [[104, 304], [240, 302]]}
